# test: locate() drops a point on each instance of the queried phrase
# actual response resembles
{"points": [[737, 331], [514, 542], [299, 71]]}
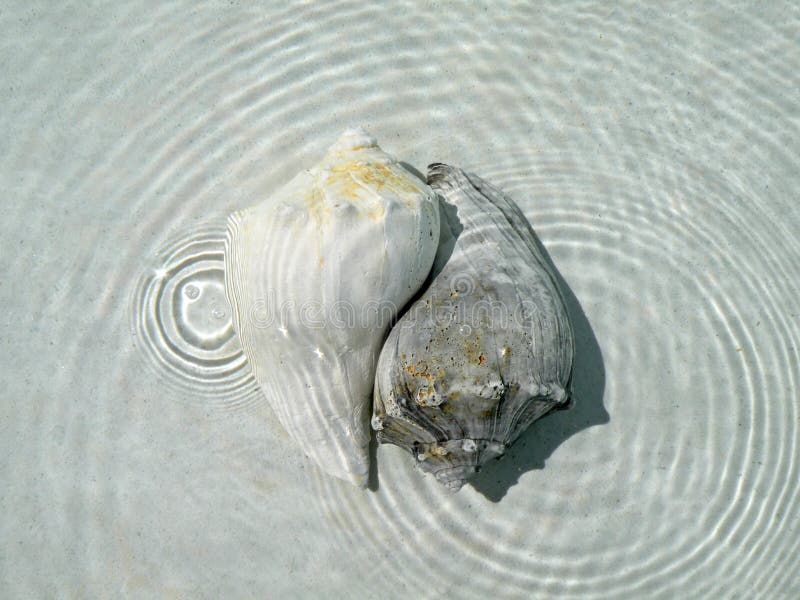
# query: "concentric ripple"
{"points": [[183, 323], [692, 426], [656, 153]]}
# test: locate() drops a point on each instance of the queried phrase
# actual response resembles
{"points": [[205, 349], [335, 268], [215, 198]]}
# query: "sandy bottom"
{"points": [[657, 155]]}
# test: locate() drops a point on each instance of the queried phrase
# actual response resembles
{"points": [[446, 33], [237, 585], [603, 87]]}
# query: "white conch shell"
{"points": [[314, 275]]}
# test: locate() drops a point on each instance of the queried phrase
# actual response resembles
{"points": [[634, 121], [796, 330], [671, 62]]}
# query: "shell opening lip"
{"points": [[455, 485], [455, 477]]}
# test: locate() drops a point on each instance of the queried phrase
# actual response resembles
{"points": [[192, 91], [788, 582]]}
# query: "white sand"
{"points": [[657, 156]]}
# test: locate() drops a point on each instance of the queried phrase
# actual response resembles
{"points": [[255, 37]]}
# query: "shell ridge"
{"points": [[517, 220]]}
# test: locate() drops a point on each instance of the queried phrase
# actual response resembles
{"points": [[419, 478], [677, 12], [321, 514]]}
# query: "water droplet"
{"points": [[191, 291]]}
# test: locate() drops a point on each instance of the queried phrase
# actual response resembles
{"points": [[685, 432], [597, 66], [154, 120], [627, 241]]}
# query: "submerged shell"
{"points": [[486, 349], [314, 275]]}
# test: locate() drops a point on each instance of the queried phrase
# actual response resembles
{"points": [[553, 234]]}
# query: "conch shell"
{"points": [[314, 275], [486, 349]]}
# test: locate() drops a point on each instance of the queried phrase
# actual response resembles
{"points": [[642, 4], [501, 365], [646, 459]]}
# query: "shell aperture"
{"points": [[486, 349], [314, 275]]}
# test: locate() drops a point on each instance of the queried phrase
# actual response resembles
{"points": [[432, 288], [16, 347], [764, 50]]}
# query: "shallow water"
{"points": [[657, 157]]}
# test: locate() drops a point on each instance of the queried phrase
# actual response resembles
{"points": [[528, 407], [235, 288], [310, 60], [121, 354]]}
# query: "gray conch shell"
{"points": [[314, 275], [486, 349]]}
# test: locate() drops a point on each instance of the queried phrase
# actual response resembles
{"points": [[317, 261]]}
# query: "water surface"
{"points": [[655, 153]]}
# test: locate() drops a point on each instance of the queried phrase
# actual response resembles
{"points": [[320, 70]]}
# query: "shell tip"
{"points": [[438, 172], [454, 478], [359, 479], [360, 482], [454, 485], [355, 138]]}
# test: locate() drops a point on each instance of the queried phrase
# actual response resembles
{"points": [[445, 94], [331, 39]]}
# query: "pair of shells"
{"points": [[317, 273]]}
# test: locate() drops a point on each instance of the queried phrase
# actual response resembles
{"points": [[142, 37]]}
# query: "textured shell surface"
{"points": [[487, 347], [314, 275]]}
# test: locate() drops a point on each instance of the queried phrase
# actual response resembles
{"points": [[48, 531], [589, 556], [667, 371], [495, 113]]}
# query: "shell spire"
{"points": [[353, 139]]}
